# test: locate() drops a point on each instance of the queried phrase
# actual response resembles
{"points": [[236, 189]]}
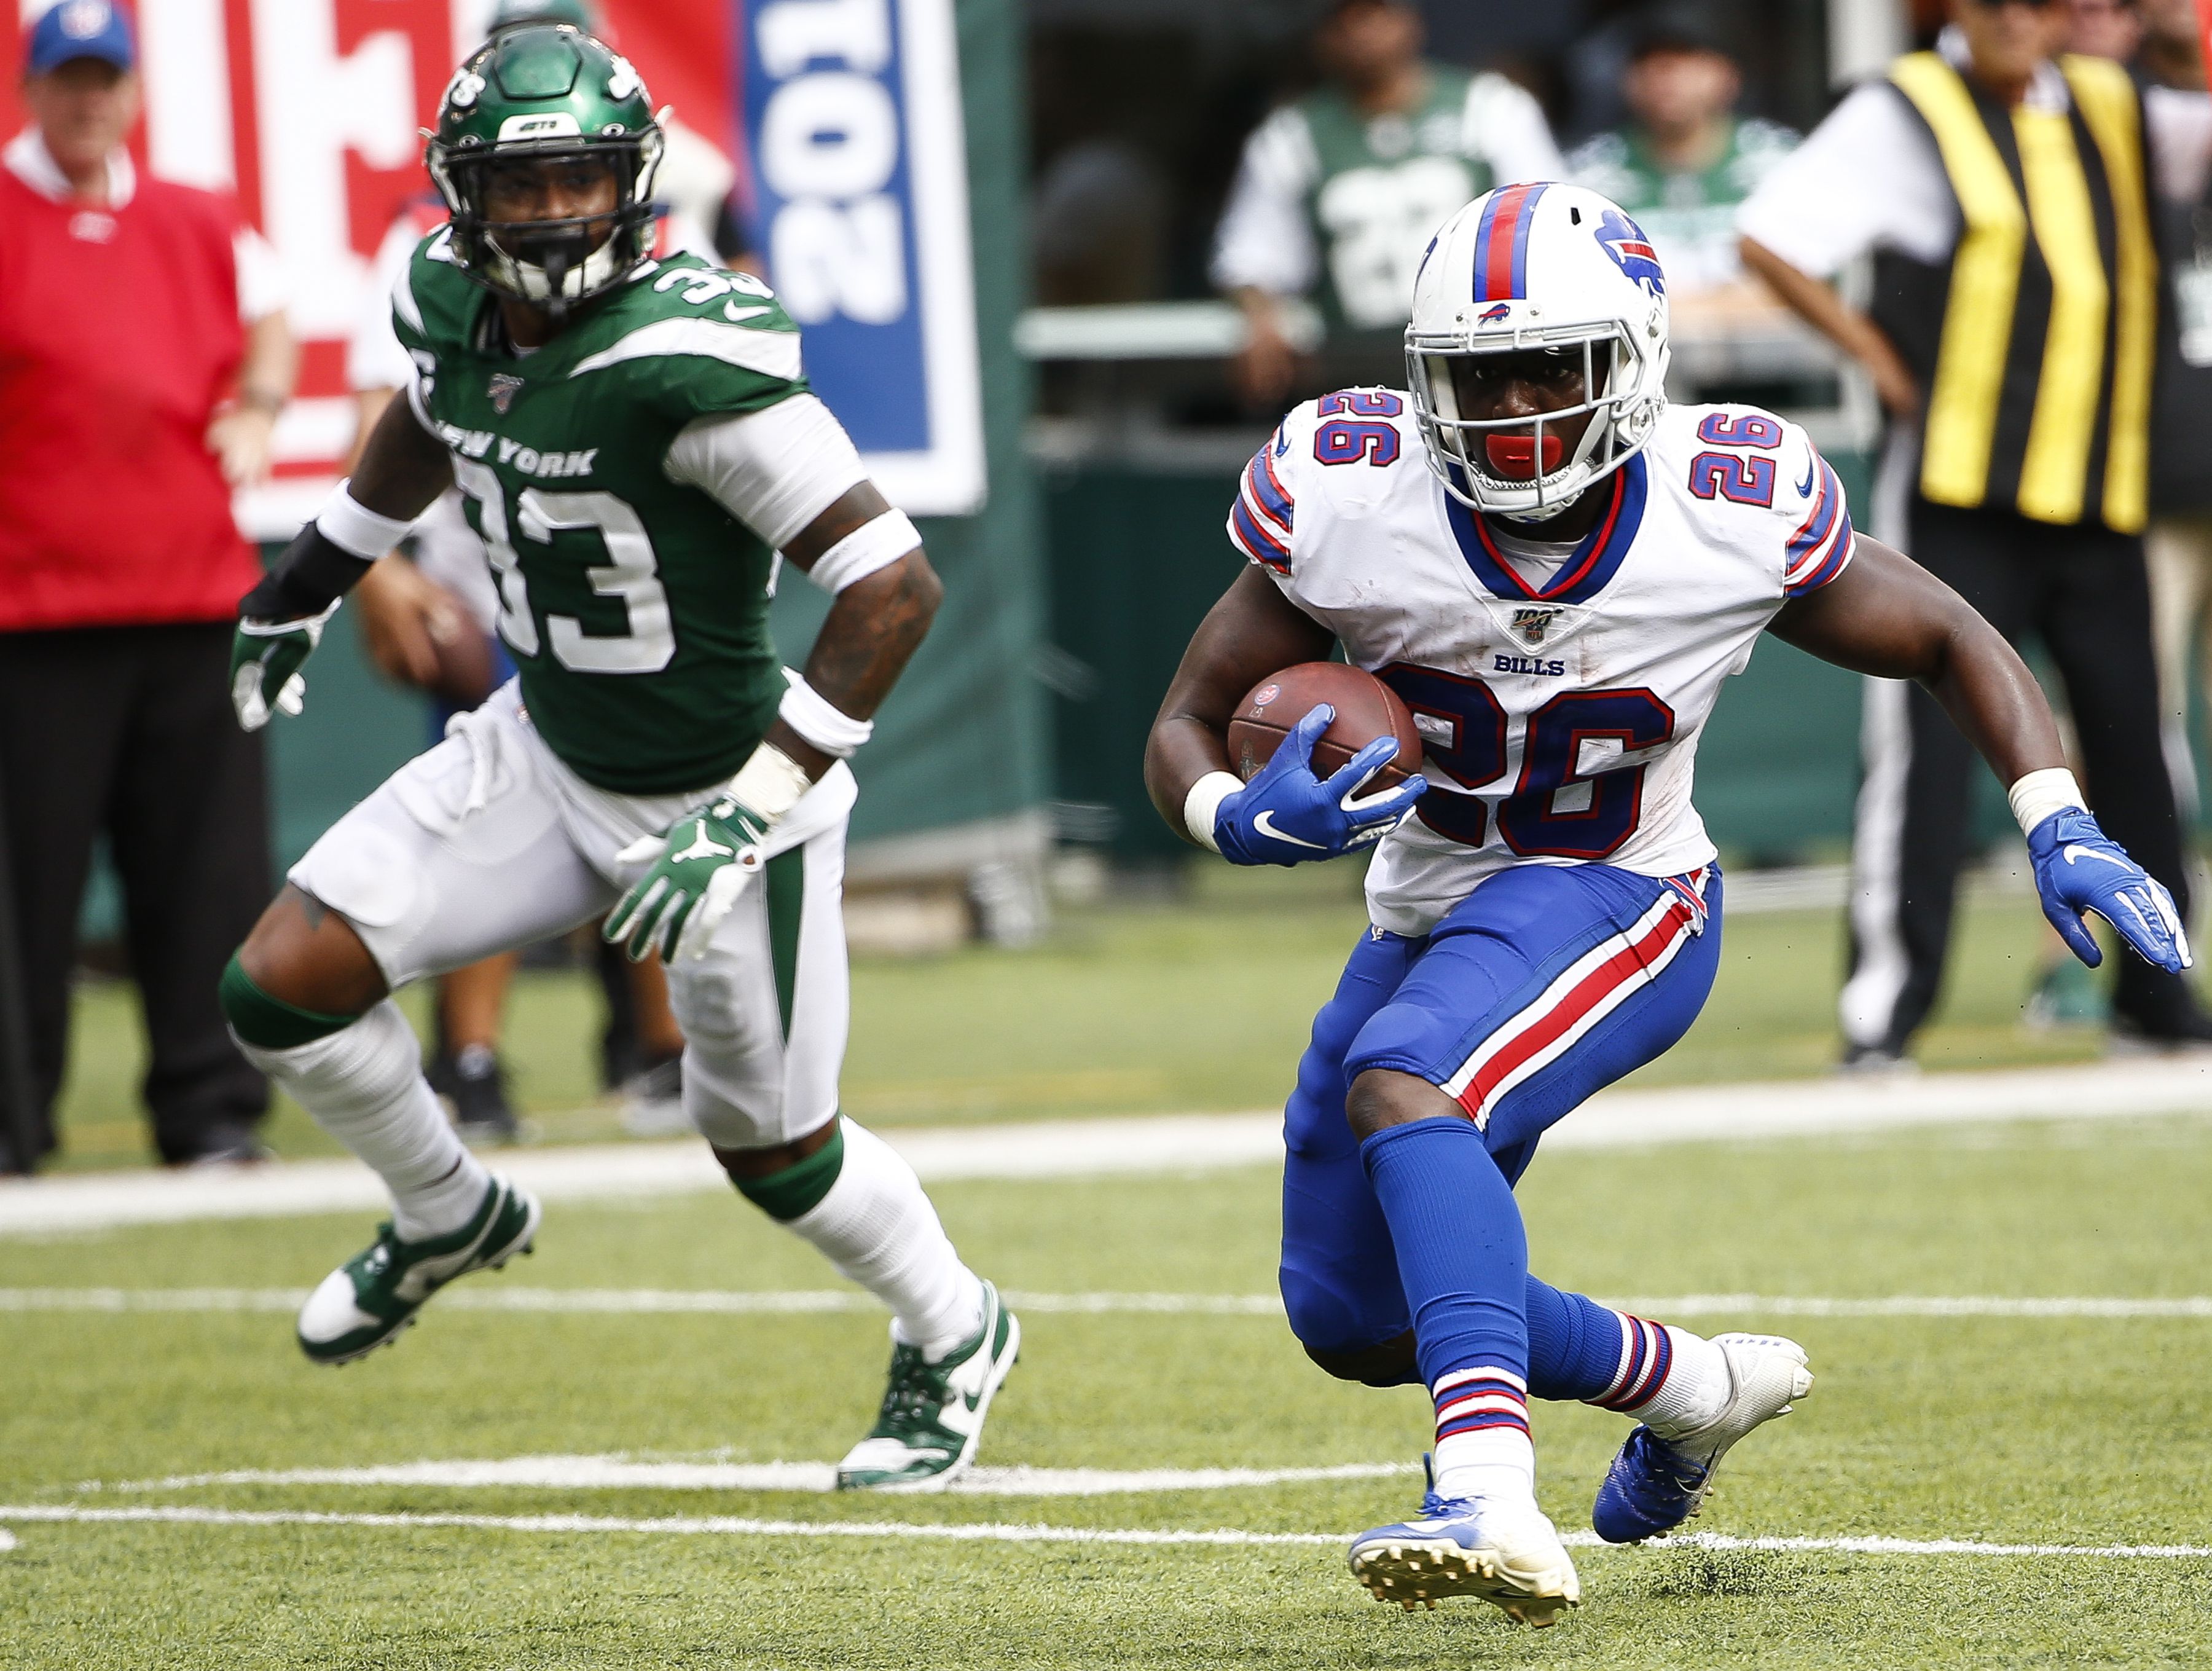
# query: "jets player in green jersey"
{"points": [[639, 453], [1685, 160]]}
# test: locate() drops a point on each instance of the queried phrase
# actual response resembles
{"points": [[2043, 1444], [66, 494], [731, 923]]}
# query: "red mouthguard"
{"points": [[1514, 456]]}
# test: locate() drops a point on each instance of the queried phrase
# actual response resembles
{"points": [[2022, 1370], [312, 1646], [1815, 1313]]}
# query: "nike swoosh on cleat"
{"points": [[2074, 854], [1265, 824]]}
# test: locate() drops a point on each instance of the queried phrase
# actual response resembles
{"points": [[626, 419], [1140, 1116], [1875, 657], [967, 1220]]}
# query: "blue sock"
{"points": [[1574, 1344], [1462, 1254]]}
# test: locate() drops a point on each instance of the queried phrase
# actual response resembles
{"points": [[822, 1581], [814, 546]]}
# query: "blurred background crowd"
{"points": [[1175, 217]]}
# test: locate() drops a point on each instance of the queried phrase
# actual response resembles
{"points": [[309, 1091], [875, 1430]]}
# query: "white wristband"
{"points": [[872, 546], [819, 721], [770, 782], [1202, 806], [357, 529], [2039, 794]]}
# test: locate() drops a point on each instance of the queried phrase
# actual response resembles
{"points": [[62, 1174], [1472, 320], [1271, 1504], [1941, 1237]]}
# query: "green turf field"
{"points": [[1200, 1003], [2076, 1431]]}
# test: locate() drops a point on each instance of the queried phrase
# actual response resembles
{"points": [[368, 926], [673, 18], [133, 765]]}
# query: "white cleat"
{"points": [[1508, 1555], [1654, 1483]]}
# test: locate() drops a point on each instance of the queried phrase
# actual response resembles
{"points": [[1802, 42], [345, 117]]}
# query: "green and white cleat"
{"points": [[369, 1299], [932, 1419]]}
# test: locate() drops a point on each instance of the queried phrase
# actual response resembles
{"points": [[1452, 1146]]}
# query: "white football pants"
{"points": [[487, 842]]}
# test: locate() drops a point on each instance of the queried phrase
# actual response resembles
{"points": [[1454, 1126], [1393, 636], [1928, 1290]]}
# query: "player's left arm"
{"points": [[1885, 614], [791, 474], [874, 626]]}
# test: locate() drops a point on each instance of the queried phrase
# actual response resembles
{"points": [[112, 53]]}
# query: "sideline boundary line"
{"points": [[619, 1473], [1155, 1145], [991, 1532], [712, 1302]]}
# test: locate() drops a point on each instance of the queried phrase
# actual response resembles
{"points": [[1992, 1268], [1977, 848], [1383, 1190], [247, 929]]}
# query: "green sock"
{"points": [[270, 1024], [798, 1190]]}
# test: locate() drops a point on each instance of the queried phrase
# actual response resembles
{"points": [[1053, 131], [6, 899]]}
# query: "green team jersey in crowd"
{"points": [[1336, 202], [1689, 214], [636, 607], [1385, 185]]}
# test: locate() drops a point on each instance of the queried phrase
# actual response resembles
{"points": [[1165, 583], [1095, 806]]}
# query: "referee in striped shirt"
{"points": [[2003, 192]]}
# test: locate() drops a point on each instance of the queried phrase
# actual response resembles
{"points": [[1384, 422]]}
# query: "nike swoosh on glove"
{"points": [[697, 871], [266, 658], [1285, 815], [2079, 868]]}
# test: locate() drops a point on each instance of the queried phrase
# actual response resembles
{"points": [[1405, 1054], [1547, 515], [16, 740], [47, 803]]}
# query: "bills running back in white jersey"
{"points": [[1561, 690]]}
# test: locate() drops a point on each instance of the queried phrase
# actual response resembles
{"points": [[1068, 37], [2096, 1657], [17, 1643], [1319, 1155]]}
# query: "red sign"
{"points": [[310, 112]]}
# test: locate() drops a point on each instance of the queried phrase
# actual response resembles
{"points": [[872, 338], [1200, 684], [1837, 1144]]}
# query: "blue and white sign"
{"points": [[858, 161]]}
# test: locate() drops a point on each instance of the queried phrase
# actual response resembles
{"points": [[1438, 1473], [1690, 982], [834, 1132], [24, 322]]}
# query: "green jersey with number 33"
{"points": [[635, 606]]}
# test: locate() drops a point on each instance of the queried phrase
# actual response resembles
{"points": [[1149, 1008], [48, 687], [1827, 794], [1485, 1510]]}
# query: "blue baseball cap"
{"points": [[81, 29]]}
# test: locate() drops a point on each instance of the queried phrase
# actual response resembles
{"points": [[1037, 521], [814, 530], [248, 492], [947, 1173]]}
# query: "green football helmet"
{"points": [[547, 93]]}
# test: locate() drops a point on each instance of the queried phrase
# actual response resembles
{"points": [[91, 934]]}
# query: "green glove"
{"points": [[266, 658], [696, 872]]}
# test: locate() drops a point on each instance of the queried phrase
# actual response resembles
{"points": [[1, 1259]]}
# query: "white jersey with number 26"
{"points": [[1561, 690]]}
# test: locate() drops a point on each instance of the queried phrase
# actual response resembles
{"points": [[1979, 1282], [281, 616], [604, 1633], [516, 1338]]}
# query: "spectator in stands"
{"points": [[144, 359], [2018, 371], [1686, 160], [1339, 192]]}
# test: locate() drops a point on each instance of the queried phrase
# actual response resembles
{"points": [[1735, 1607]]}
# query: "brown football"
{"points": [[1366, 709]]}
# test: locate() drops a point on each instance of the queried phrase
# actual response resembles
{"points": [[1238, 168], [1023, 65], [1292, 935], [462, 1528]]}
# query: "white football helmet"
{"points": [[1538, 266]]}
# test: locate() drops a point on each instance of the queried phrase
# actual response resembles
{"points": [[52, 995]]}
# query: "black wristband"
{"points": [[314, 574]]}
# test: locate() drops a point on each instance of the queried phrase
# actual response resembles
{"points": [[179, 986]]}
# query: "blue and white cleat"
{"points": [[1508, 1555], [1654, 1483]]}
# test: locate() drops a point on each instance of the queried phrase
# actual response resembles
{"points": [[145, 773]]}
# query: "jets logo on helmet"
{"points": [[540, 96], [1625, 242], [1538, 267]]}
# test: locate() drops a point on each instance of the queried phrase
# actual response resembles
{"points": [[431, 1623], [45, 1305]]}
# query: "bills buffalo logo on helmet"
{"points": [[1493, 314], [1532, 626], [1631, 252]]}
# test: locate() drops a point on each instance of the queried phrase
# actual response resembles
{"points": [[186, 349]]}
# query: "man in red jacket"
{"points": [[144, 359]]}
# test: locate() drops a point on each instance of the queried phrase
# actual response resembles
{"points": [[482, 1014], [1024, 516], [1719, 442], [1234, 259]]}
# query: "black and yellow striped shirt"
{"points": [[2035, 341]]}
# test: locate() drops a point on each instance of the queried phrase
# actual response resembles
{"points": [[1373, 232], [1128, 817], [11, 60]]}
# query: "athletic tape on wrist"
{"points": [[2039, 794], [1202, 806], [871, 546], [820, 721], [770, 782], [357, 529]]}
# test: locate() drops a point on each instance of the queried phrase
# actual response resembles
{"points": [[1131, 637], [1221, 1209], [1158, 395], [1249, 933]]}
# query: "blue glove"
{"points": [[2079, 868], [1285, 815]]}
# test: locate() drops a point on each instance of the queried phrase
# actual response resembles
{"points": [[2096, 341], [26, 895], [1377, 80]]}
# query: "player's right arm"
{"points": [[1253, 631], [402, 470], [1285, 815]]}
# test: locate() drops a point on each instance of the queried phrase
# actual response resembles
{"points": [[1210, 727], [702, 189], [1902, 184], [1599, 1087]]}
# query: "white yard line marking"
{"points": [[1162, 1143], [728, 1526], [643, 1301], [623, 1473]]}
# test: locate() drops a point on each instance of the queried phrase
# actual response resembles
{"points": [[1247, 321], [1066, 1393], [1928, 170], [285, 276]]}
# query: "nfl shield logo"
{"points": [[1530, 625], [503, 392]]}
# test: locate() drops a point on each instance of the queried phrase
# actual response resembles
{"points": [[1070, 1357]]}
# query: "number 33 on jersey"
{"points": [[1561, 690], [635, 604]]}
